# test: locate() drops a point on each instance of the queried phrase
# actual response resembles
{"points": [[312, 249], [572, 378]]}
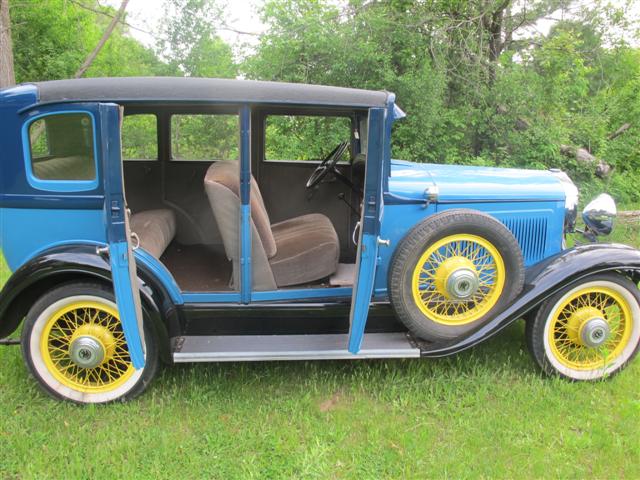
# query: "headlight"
{"points": [[570, 201], [599, 213]]}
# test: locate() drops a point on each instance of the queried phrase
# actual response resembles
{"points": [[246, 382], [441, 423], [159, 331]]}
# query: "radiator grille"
{"points": [[531, 234]]}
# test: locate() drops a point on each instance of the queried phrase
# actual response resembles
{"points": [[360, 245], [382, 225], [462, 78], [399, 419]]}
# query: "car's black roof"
{"points": [[181, 89]]}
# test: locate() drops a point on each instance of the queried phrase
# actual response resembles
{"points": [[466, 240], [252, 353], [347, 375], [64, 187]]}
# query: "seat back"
{"points": [[222, 185]]}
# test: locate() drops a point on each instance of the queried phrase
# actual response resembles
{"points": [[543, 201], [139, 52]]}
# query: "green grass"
{"points": [[483, 413]]}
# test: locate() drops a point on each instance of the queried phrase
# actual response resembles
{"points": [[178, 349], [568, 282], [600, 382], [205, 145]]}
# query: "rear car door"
{"points": [[123, 265]]}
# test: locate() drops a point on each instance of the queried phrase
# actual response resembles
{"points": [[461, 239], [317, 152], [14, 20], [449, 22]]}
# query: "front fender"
{"points": [[542, 281], [79, 262]]}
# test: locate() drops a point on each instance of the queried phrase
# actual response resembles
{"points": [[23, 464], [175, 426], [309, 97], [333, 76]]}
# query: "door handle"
{"points": [[386, 243]]}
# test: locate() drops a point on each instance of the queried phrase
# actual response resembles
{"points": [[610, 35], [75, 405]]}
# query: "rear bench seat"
{"points": [[155, 228]]}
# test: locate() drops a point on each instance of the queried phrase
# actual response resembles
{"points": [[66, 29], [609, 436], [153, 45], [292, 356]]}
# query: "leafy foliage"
{"points": [[304, 137], [479, 84], [52, 38], [477, 90], [205, 137]]}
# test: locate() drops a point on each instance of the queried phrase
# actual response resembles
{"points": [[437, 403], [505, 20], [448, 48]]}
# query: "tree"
{"points": [[190, 43], [105, 36], [52, 39], [7, 76]]}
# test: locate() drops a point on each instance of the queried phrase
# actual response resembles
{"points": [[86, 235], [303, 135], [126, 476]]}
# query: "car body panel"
{"points": [[471, 184]]}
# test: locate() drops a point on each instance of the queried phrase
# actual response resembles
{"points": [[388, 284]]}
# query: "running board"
{"points": [[247, 348]]}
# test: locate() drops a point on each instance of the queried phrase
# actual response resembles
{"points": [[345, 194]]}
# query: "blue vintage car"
{"points": [[237, 241]]}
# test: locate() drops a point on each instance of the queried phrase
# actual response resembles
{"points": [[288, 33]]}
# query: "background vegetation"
{"points": [[480, 86], [481, 83]]}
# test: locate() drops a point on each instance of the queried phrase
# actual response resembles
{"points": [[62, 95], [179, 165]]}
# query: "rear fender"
{"points": [[79, 262], [542, 281]]}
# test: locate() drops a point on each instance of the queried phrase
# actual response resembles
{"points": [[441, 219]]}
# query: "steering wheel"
{"points": [[327, 165]]}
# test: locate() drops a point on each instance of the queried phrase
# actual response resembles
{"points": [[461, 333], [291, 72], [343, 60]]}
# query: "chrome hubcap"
{"points": [[595, 332], [462, 284], [86, 352]]}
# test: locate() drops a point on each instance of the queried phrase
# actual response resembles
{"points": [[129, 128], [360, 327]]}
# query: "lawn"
{"points": [[483, 413]]}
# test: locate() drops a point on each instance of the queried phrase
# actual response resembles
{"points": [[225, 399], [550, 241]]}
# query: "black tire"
{"points": [[60, 297], [538, 342], [424, 235]]}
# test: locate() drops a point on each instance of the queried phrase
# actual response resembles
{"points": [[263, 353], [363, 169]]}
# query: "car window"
{"points": [[303, 137], [208, 138], [140, 137], [62, 147]]}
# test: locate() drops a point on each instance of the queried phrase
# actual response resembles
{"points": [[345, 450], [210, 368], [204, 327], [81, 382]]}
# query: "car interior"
{"points": [[182, 183]]}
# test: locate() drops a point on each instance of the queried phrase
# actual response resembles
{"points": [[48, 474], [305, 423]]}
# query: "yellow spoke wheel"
{"points": [[452, 272], [83, 346], [587, 331], [590, 328], [458, 279]]}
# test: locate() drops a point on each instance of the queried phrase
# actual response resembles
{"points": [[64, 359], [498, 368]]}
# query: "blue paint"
{"points": [[457, 183], [52, 201], [377, 155], [25, 232], [58, 185], [399, 219], [245, 253], [245, 205], [119, 257], [364, 289], [301, 294], [202, 297], [123, 270]]}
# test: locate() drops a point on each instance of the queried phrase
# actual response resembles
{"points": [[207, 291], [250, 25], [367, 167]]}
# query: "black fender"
{"points": [[67, 263], [544, 279]]}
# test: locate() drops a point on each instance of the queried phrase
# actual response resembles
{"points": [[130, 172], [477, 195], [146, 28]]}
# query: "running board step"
{"points": [[231, 348]]}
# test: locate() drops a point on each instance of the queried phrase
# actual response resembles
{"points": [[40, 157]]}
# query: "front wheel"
{"points": [[74, 346], [589, 330]]}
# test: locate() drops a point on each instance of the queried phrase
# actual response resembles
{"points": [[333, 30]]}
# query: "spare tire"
{"points": [[452, 272]]}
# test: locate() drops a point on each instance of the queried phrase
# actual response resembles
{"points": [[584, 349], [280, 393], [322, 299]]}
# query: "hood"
{"points": [[458, 183]]}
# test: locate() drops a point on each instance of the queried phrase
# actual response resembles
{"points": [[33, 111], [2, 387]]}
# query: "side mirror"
{"points": [[599, 213]]}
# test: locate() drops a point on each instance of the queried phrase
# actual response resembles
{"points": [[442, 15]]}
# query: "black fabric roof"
{"points": [[180, 89]]}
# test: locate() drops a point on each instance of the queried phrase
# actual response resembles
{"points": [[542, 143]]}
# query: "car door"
{"points": [[370, 219], [123, 265]]}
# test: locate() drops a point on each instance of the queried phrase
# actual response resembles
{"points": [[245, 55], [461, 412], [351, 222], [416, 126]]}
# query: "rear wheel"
{"points": [[452, 272], [587, 331], [74, 346]]}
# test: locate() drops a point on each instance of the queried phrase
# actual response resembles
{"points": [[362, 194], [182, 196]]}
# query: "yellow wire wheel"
{"points": [[75, 347], [453, 272], [77, 331], [458, 279], [589, 331]]}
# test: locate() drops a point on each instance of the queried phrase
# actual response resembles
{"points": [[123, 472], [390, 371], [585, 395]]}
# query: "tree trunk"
{"points": [[619, 131], [105, 36], [7, 74]]}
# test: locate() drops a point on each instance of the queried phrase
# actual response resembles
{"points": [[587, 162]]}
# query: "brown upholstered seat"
{"points": [[296, 251], [155, 228], [307, 249]]}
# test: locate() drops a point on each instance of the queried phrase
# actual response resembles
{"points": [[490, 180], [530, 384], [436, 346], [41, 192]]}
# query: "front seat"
{"points": [[296, 251]]}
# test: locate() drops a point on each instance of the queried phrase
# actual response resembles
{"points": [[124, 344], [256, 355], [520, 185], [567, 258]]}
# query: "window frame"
{"points": [[59, 185]]}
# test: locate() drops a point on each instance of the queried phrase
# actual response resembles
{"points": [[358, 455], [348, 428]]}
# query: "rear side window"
{"points": [[205, 137], [61, 147], [140, 137]]}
